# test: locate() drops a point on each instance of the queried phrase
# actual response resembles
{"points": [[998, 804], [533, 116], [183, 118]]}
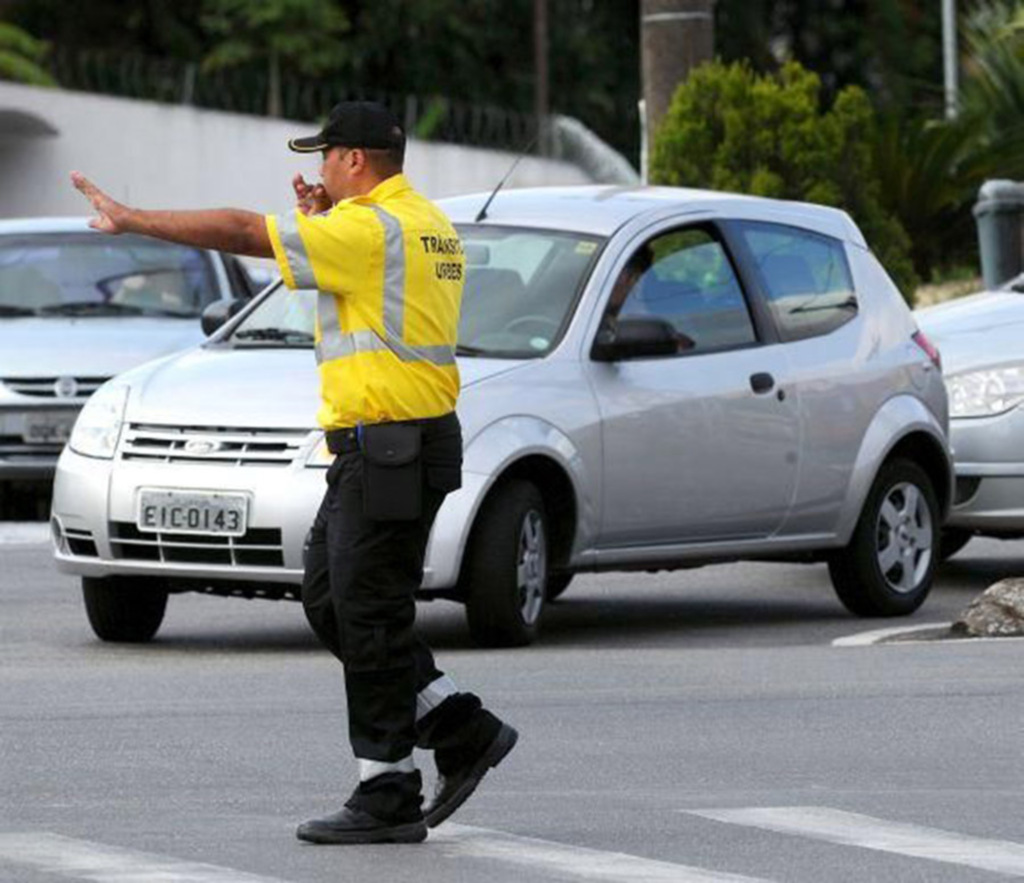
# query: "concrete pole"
{"points": [[675, 36], [950, 57]]}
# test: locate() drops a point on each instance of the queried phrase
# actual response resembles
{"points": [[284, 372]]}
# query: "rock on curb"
{"points": [[998, 612]]}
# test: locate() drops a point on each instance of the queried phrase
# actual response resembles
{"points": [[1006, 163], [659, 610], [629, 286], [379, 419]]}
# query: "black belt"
{"points": [[346, 440]]}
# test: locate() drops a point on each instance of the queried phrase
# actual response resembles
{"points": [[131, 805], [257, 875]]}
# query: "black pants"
{"points": [[359, 597]]}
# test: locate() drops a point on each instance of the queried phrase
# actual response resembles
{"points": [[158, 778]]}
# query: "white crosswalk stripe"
{"points": [[574, 862], [853, 829], [24, 533], [82, 860]]}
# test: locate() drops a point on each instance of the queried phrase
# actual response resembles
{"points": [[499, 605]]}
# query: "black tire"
{"points": [[558, 582], [500, 612], [953, 540], [857, 571], [124, 610]]}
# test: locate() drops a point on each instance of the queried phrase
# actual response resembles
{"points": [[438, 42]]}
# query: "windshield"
{"points": [[521, 289], [88, 274]]}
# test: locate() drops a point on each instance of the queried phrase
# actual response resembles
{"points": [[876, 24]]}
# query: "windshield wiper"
{"points": [[88, 308], [276, 335], [6, 310], [464, 350]]}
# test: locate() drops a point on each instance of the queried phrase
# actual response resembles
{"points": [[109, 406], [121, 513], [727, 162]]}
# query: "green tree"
{"points": [[302, 34], [930, 168], [891, 48], [992, 97], [731, 129], [21, 57]]}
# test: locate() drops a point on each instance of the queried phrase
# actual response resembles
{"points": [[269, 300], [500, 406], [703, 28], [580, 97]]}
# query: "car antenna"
{"points": [[483, 211]]}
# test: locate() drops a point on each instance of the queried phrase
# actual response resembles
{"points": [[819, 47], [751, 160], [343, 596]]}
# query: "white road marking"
{"points": [[562, 860], [82, 860], [864, 639], [852, 829], [24, 533]]}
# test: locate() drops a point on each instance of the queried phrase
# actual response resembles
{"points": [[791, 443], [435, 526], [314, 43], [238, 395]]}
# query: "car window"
{"points": [[806, 278], [81, 273], [521, 288], [686, 279], [292, 312], [520, 291]]}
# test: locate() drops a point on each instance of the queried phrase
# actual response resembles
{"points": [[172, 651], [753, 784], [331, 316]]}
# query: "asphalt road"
{"points": [[680, 727]]}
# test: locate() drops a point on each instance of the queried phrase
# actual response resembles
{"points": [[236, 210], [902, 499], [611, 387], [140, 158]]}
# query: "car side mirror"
{"points": [[217, 313], [637, 337]]}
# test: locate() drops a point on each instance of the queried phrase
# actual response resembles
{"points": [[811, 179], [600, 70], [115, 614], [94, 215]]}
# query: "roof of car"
{"points": [[43, 225], [602, 209]]}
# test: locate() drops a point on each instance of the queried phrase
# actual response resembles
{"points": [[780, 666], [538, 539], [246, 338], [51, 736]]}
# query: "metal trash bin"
{"points": [[999, 214]]}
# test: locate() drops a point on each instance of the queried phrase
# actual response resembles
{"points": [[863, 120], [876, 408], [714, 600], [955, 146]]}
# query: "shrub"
{"points": [[731, 129]]}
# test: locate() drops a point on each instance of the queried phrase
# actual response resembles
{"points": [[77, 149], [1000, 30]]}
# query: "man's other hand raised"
{"points": [[311, 199]]}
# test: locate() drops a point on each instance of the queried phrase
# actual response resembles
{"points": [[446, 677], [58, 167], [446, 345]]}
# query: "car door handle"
{"points": [[762, 383]]}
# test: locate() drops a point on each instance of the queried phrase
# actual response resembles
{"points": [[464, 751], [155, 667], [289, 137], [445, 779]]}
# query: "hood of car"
{"points": [[89, 347], [251, 387], [977, 331]]}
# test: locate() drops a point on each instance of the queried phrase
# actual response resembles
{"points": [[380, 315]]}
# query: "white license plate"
{"points": [[48, 427], [192, 512]]}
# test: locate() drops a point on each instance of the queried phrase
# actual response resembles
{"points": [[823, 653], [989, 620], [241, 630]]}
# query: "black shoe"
{"points": [[454, 789], [355, 826]]}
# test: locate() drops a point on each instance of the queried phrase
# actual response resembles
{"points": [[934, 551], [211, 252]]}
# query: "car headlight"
{"points": [[320, 457], [99, 423], [985, 393]]}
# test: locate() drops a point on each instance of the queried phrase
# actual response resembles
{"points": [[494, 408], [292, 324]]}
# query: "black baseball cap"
{"points": [[355, 124]]}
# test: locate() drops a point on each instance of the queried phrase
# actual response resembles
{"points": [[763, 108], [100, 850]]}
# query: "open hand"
{"points": [[110, 215], [311, 198]]}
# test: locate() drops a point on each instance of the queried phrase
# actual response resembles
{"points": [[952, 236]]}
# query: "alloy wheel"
{"points": [[531, 568], [905, 538]]}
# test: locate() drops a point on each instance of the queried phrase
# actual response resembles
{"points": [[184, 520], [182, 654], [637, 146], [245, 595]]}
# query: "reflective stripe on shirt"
{"points": [[336, 344], [295, 251]]}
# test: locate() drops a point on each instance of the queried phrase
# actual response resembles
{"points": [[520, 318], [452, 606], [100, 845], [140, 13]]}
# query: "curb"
{"points": [[930, 633]]}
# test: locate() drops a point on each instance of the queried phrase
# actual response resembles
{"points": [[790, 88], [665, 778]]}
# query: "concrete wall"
{"points": [[168, 156]]}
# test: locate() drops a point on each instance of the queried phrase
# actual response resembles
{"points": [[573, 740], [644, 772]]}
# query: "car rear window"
{"points": [[89, 273], [805, 276]]}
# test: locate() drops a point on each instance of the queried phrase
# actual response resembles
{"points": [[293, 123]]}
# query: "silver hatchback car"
{"points": [[652, 379]]}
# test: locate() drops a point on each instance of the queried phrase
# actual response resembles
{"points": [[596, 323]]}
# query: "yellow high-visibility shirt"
{"points": [[388, 267]]}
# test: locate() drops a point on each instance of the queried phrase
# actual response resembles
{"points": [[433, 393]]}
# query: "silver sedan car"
{"points": [[982, 342], [76, 308], [652, 379]]}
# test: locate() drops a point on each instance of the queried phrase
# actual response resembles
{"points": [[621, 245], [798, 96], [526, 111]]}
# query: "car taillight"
{"points": [[929, 349]]}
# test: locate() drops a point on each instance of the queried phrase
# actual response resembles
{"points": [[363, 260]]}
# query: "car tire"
{"points": [[952, 541], [505, 572], [888, 566], [123, 610], [558, 582]]}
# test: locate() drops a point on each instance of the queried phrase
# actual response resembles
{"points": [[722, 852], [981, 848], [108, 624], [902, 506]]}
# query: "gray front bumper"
{"points": [[989, 462]]}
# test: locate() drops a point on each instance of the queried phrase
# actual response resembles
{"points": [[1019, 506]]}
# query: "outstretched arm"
{"points": [[231, 230]]}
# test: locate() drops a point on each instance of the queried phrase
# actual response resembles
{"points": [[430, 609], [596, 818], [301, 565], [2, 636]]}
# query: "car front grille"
{"points": [[69, 389], [80, 542], [258, 547], [216, 446], [14, 449], [966, 488]]}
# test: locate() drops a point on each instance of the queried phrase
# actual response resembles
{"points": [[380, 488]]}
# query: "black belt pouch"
{"points": [[392, 471]]}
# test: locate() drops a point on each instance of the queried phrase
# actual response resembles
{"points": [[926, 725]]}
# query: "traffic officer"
{"points": [[388, 268]]}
